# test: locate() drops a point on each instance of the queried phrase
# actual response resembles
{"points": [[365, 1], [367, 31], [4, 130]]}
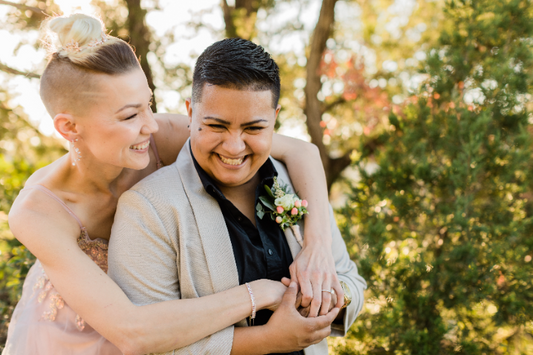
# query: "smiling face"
{"points": [[116, 126], [231, 132]]}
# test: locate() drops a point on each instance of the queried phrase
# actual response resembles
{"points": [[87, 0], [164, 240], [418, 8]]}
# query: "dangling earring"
{"points": [[78, 154]]}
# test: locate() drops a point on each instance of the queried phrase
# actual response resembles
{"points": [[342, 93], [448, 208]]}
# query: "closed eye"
{"points": [[130, 117], [217, 126], [255, 128]]}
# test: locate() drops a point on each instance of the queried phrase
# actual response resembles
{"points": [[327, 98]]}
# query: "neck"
{"points": [[243, 197], [91, 176], [237, 192]]}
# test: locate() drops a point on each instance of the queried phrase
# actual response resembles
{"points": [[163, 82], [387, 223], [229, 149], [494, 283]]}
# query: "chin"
{"points": [[230, 181], [138, 165]]}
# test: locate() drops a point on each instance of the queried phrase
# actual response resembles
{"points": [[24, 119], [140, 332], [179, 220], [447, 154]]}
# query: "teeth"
{"points": [[140, 146], [231, 161]]}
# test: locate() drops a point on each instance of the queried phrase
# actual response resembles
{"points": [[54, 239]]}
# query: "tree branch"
{"points": [[10, 70], [331, 105], [231, 30], [337, 166], [22, 7]]}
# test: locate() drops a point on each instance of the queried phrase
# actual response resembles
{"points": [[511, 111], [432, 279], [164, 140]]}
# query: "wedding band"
{"points": [[332, 291]]}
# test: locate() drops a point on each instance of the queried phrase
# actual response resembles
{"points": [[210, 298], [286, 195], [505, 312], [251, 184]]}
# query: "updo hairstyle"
{"points": [[79, 49]]}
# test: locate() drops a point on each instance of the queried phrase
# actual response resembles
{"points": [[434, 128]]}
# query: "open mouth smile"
{"points": [[232, 161], [140, 146]]}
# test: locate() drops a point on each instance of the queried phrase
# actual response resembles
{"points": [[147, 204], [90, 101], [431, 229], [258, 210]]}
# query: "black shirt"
{"points": [[260, 252]]}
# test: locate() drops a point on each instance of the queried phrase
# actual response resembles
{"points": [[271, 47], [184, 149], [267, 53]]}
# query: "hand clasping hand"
{"points": [[294, 332], [314, 270]]}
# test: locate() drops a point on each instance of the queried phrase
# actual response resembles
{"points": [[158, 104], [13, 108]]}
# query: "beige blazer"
{"points": [[170, 241]]}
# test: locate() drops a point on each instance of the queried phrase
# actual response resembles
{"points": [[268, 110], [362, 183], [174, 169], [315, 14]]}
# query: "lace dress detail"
{"points": [[97, 250]]}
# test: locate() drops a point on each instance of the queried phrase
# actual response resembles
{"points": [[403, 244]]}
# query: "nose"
{"points": [[233, 144], [149, 124]]}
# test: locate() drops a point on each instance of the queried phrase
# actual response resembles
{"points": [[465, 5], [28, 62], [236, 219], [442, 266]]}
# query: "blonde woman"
{"points": [[99, 99]]}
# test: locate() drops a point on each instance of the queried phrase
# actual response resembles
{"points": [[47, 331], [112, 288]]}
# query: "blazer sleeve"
{"points": [[347, 272], [142, 257], [143, 261]]}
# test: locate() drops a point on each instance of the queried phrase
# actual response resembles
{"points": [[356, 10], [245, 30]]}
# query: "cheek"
{"points": [[261, 144], [118, 140], [206, 140], [200, 145]]}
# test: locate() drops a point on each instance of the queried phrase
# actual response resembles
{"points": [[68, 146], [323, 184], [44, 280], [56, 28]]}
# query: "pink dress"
{"points": [[42, 323]]}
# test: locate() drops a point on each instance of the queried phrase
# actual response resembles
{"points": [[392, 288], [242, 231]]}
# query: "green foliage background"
{"points": [[442, 223]]}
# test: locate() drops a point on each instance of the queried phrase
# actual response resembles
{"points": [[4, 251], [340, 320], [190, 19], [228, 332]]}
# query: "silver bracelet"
{"points": [[252, 299]]}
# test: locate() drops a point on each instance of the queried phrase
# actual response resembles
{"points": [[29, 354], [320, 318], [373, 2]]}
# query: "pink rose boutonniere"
{"points": [[283, 207]]}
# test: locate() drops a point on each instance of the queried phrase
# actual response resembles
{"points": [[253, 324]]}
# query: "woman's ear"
{"points": [[65, 125]]}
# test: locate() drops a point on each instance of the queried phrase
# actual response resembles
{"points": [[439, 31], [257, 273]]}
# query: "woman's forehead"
{"points": [[119, 90]]}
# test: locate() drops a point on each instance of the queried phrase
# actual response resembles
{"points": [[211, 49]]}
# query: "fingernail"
{"points": [[293, 284]]}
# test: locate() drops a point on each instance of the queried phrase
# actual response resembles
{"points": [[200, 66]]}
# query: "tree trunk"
{"points": [[313, 107], [140, 38], [240, 19], [231, 30]]}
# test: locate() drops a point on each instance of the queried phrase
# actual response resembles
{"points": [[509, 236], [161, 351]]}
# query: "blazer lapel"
{"points": [[211, 226]]}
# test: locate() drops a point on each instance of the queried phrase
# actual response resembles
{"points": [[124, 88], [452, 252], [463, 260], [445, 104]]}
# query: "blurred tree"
{"points": [[442, 217], [314, 109], [140, 37], [240, 18], [355, 46], [23, 149]]}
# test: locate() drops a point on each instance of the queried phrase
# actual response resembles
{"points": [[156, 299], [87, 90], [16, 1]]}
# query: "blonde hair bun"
{"points": [[76, 36], [80, 28]]}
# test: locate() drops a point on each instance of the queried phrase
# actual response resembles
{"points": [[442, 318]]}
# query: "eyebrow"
{"points": [[135, 105], [251, 123], [127, 106]]}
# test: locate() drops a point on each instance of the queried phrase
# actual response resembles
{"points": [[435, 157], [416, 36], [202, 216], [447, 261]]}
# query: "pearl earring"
{"points": [[78, 154]]}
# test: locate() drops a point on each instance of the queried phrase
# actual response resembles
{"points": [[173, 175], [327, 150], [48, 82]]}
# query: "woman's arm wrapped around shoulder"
{"points": [[52, 237], [314, 266]]}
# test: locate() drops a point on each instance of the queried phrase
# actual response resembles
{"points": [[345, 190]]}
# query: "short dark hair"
{"points": [[236, 63]]}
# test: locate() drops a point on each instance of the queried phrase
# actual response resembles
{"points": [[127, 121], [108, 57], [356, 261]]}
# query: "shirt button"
{"points": [[270, 252]]}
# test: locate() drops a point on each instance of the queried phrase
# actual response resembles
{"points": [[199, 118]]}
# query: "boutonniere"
{"points": [[283, 207]]}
